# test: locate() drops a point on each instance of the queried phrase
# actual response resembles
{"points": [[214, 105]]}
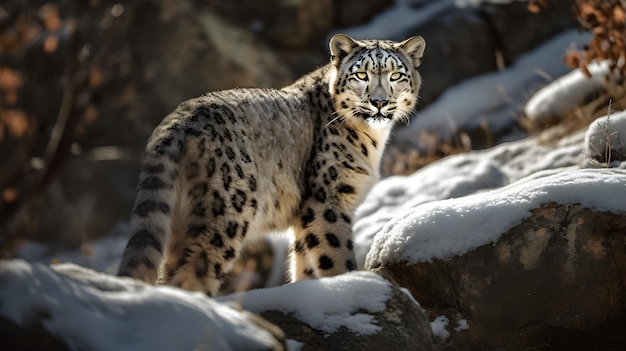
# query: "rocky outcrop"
{"points": [[556, 279], [605, 142], [75, 308], [70, 307], [518, 30], [396, 322]]}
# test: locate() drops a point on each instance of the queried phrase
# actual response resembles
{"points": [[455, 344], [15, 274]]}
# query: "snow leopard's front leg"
{"points": [[323, 243]]}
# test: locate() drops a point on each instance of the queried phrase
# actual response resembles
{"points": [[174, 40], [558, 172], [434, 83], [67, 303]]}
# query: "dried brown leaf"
{"points": [[10, 79], [50, 44], [50, 15], [91, 114], [9, 195], [86, 250], [16, 122], [95, 77]]}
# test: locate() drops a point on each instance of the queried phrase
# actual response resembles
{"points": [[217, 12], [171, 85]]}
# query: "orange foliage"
{"points": [[606, 19], [50, 44], [50, 15], [10, 80], [16, 122]]}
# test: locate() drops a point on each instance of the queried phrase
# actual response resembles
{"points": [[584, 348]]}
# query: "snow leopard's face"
{"points": [[375, 81]]}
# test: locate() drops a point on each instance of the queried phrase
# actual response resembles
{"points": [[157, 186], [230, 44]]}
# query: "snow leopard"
{"points": [[232, 165]]}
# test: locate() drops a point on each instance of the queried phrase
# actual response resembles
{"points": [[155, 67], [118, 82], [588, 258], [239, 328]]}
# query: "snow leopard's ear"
{"points": [[414, 48], [340, 47]]}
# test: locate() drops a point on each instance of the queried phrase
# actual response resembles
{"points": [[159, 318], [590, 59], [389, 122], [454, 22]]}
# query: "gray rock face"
{"points": [[517, 30], [556, 279]]}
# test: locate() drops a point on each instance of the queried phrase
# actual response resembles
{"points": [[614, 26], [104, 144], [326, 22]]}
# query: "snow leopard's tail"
{"points": [[151, 219]]}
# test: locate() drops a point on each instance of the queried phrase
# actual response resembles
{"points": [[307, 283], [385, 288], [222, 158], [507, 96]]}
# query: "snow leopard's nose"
{"points": [[379, 103]]}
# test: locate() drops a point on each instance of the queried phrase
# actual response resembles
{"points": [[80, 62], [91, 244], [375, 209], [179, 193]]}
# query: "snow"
{"points": [[294, 345], [439, 327], [443, 229], [94, 311], [460, 175], [326, 304], [396, 21], [397, 194], [606, 138], [462, 324], [565, 94]]}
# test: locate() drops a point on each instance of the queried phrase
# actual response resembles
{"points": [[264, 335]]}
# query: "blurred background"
{"points": [[83, 83]]}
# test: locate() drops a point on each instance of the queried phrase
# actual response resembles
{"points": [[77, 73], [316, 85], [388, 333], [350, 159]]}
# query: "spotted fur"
{"points": [[232, 165]]}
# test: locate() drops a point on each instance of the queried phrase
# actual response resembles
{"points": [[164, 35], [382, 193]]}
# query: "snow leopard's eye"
{"points": [[395, 76], [361, 75]]}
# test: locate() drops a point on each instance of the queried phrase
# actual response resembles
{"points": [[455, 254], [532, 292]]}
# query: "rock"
{"points": [[72, 307], [555, 279], [35, 337], [452, 34], [102, 178], [605, 141], [294, 24], [295, 31], [350, 13], [354, 311], [517, 30]]}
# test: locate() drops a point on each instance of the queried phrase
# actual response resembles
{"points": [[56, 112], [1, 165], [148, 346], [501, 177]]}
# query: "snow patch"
{"points": [[605, 141], [294, 345], [461, 325], [439, 327], [326, 304], [397, 194], [395, 22], [95, 311], [565, 94], [443, 229]]}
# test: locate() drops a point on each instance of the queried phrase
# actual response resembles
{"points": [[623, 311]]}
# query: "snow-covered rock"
{"points": [[461, 175], [354, 311], [80, 309], [605, 141], [448, 228], [543, 255], [86, 310], [567, 93]]}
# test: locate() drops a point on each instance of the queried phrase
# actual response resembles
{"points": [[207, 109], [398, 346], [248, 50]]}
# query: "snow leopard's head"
{"points": [[375, 81]]}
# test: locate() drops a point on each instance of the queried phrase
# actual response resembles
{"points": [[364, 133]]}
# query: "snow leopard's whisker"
{"points": [[334, 119]]}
